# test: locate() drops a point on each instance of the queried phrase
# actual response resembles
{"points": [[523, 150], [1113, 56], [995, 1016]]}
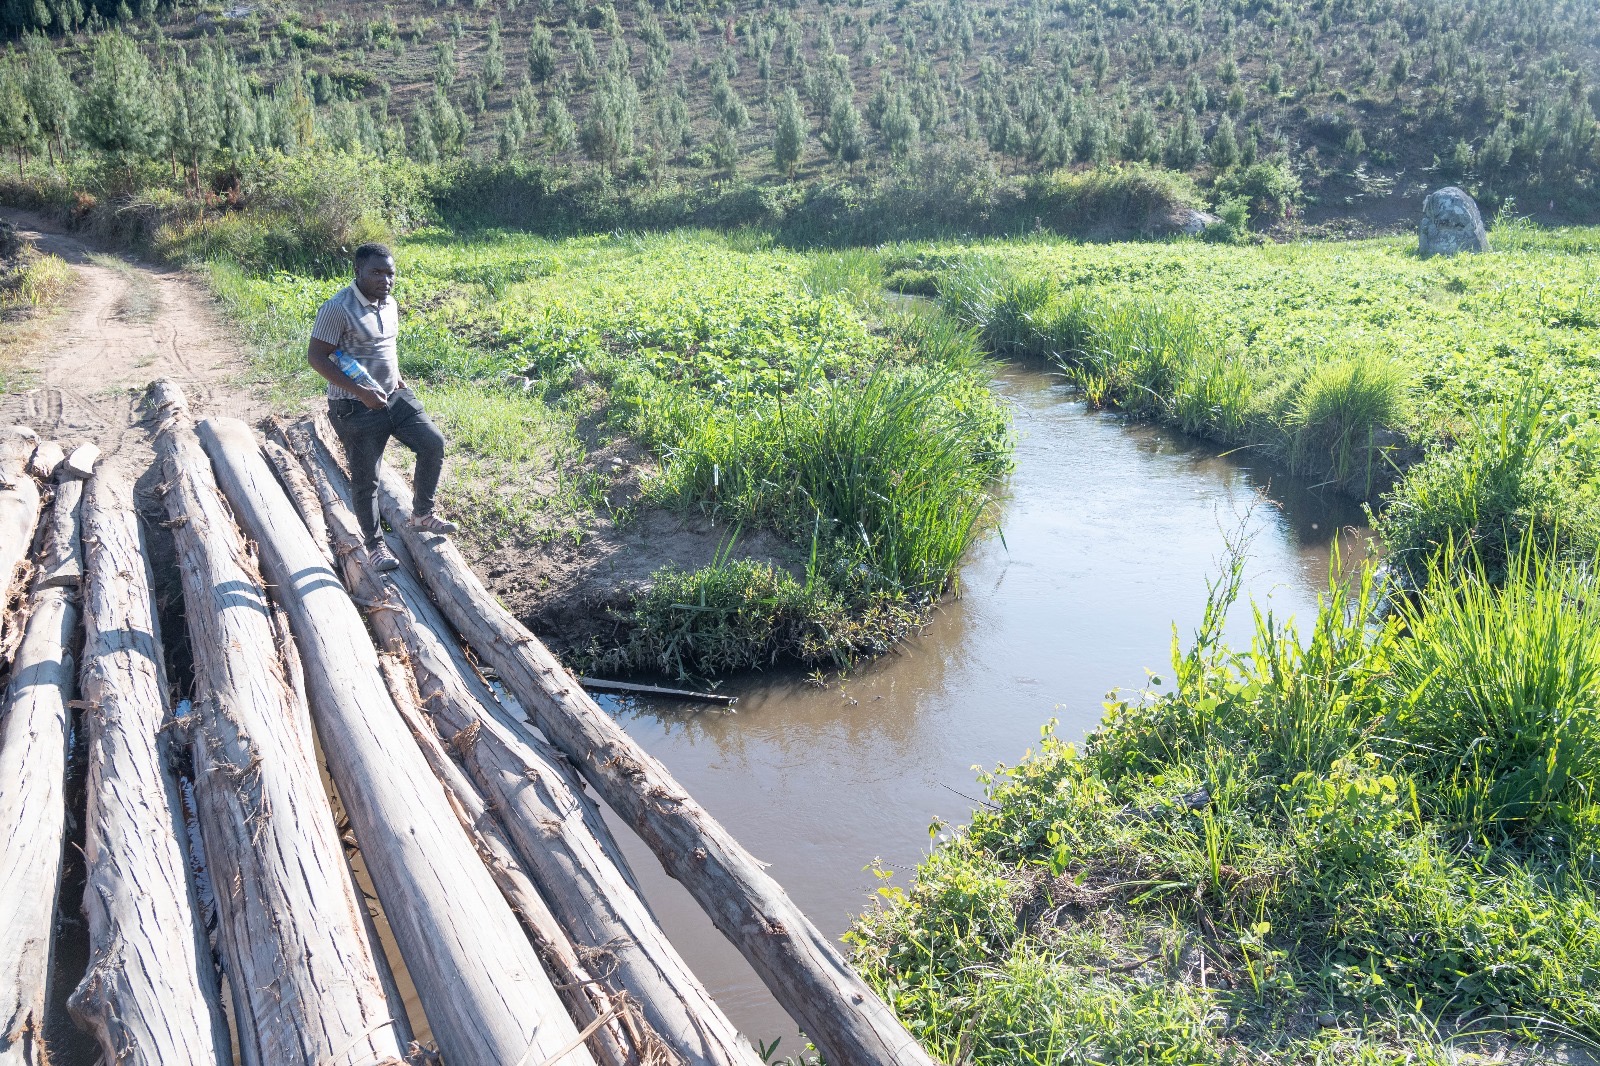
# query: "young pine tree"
{"points": [[1223, 151], [19, 130], [843, 137], [559, 129], [541, 55], [121, 116], [494, 58], [51, 95], [789, 134]]}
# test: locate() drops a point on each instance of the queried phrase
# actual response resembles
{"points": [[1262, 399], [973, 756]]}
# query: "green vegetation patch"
{"points": [[1351, 362], [1375, 842], [763, 385]]}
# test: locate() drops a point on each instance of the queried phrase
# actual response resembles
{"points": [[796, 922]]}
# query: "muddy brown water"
{"points": [[1110, 534]]}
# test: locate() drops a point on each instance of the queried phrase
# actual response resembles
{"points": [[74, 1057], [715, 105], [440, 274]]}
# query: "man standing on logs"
{"points": [[353, 345]]}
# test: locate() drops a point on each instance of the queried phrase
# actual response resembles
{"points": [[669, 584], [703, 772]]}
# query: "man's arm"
{"points": [[319, 354]]}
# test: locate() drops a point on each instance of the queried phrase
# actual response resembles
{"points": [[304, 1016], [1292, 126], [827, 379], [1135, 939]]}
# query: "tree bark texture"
{"points": [[620, 1030], [19, 507], [802, 968], [33, 813], [617, 1041], [557, 832], [301, 969], [61, 556], [485, 993], [150, 996]]}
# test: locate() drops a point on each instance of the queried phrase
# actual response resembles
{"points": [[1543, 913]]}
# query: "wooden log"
{"points": [[557, 832], [80, 464], [616, 1040], [480, 982], [293, 479], [301, 969], [803, 969], [19, 507], [47, 455], [603, 685], [33, 813], [150, 995], [61, 559]]}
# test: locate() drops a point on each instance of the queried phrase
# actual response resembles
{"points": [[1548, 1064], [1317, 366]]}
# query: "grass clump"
{"points": [[1522, 471], [32, 284], [1375, 843], [1341, 416]]}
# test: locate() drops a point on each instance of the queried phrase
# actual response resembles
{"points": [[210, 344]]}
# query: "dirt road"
{"points": [[124, 325]]}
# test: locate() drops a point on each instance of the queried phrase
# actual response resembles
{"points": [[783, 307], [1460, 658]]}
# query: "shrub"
{"points": [[1270, 188], [1122, 198]]}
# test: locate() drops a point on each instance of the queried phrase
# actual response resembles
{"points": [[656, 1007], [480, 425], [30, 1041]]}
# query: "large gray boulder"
{"points": [[1450, 224]]}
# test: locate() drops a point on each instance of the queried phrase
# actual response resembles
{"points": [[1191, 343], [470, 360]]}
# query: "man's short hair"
{"points": [[371, 251]]}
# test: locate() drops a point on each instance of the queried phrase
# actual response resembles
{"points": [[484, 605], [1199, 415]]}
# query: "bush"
{"points": [[1114, 200], [1270, 188]]}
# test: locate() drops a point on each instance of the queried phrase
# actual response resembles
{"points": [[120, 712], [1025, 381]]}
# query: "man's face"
{"points": [[375, 278]]}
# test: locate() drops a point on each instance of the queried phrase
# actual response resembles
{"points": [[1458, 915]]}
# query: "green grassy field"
{"points": [[1355, 363], [765, 388]]}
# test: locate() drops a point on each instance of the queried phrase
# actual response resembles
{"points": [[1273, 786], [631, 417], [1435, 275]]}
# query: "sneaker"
{"points": [[381, 559], [431, 523]]}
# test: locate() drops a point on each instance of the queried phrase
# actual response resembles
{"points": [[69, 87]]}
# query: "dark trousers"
{"points": [[365, 433]]}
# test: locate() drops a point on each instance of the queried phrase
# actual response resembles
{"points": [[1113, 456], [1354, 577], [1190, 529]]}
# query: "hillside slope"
{"points": [[1362, 99]]}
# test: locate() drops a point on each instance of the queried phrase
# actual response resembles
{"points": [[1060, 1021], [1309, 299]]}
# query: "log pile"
{"points": [[513, 912], [35, 723], [304, 983], [555, 831]]}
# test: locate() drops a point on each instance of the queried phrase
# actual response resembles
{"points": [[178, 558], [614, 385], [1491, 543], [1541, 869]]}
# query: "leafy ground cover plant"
{"points": [[1347, 361]]}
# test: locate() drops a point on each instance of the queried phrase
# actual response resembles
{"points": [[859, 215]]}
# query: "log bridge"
{"points": [[338, 713]]}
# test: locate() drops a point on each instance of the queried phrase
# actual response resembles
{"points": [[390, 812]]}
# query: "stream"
{"points": [[1110, 533]]}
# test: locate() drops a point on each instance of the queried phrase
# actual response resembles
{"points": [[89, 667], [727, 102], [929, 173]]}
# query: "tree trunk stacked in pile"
{"points": [[481, 984], [802, 968], [556, 833], [150, 995], [33, 754], [305, 983]]}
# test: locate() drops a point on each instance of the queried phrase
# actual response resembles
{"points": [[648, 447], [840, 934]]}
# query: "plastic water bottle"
{"points": [[356, 372]]}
